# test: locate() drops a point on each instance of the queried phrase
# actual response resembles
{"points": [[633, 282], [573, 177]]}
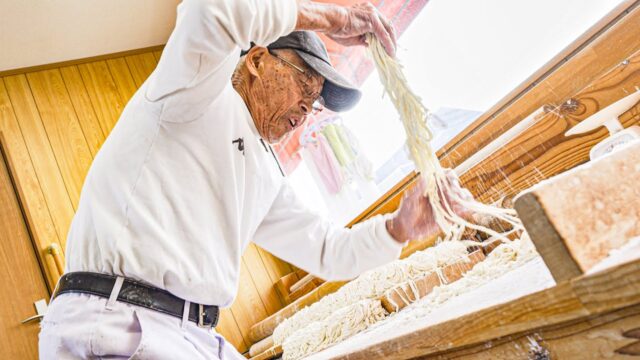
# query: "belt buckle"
{"points": [[201, 315]]}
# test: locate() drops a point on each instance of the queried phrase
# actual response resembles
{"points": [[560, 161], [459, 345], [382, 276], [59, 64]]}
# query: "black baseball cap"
{"points": [[337, 92]]}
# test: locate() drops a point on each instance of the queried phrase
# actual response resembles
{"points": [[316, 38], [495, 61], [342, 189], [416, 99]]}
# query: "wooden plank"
{"points": [[105, 97], [548, 242], [261, 279], [122, 77], [586, 61], [42, 156], [271, 353], [89, 123], [568, 302], [65, 135], [37, 213], [157, 54], [601, 337], [276, 267], [141, 66], [403, 295], [284, 284], [265, 327], [302, 291], [543, 151], [261, 346], [228, 328], [248, 308]]}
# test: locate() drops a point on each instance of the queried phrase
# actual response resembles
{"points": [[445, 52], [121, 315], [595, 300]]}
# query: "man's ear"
{"points": [[255, 60]]}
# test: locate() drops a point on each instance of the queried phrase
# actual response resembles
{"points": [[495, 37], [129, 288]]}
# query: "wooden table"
{"points": [[589, 317]]}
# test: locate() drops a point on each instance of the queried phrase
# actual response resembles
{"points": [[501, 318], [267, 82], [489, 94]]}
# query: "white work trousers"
{"points": [[82, 326]]}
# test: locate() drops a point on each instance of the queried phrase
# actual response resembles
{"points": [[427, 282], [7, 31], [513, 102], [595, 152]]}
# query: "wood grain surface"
{"points": [[581, 299]]}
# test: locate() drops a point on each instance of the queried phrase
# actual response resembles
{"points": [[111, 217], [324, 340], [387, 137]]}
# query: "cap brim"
{"points": [[338, 93]]}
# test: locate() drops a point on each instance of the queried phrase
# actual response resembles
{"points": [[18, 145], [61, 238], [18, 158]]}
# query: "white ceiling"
{"points": [[36, 32]]}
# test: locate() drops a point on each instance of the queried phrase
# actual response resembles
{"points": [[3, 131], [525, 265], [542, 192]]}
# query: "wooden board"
{"points": [[63, 129], [41, 153], [610, 336], [403, 295], [261, 346], [265, 327], [572, 301], [548, 241], [591, 210], [91, 129], [271, 353]]}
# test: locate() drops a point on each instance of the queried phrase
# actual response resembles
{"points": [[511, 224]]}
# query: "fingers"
{"points": [[383, 34], [391, 34], [350, 41], [362, 19]]}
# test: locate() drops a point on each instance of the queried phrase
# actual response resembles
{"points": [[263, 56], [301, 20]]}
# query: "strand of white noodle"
{"points": [[373, 284], [368, 314], [413, 115]]}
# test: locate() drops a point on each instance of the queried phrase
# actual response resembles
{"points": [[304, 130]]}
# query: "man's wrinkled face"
{"points": [[285, 90]]}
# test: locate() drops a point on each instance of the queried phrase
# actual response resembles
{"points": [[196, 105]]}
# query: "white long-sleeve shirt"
{"points": [[172, 200]]}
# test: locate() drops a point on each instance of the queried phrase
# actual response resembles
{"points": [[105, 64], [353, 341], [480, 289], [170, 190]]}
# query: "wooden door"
{"points": [[21, 278]]}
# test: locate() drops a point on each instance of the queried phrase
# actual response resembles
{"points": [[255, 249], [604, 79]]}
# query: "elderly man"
{"points": [[186, 179]]}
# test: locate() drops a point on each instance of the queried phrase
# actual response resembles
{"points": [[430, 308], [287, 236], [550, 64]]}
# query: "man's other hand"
{"points": [[347, 25], [415, 219]]}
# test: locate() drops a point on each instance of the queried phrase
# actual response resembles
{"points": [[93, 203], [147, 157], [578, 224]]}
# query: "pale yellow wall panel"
{"points": [[141, 66], [122, 77], [248, 308], [63, 129], [107, 101], [260, 275], [41, 154], [275, 267], [84, 110], [228, 328]]}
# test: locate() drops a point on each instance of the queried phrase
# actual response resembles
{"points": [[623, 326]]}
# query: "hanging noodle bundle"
{"points": [[414, 115]]}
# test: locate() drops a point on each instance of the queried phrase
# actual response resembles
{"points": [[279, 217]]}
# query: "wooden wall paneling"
{"points": [[589, 61], [87, 118], [65, 135], [37, 213], [141, 66], [41, 154], [275, 267], [157, 54], [105, 96], [228, 328], [543, 150], [262, 280], [247, 308], [122, 78]]}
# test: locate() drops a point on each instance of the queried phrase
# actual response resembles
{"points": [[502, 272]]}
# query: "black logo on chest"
{"points": [[240, 142]]}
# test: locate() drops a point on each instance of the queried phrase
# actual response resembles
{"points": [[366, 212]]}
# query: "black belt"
{"points": [[136, 293]]}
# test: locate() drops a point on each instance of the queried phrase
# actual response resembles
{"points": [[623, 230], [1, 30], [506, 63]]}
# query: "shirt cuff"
{"points": [[387, 243]]}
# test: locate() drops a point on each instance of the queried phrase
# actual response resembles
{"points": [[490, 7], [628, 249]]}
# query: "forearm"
{"points": [[320, 17]]}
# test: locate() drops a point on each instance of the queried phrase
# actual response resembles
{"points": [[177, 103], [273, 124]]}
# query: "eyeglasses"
{"points": [[318, 103]]}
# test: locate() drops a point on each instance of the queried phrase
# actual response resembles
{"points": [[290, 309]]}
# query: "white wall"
{"points": [[36, 32]]}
